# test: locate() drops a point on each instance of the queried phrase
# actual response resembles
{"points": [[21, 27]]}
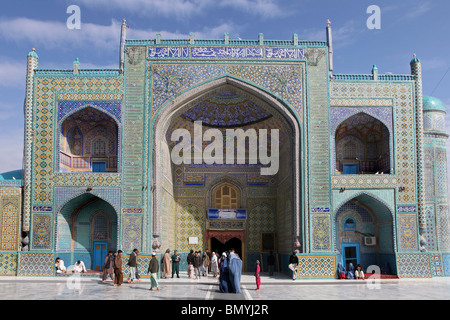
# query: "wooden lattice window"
{"points": [[100, 227], [226, 196], [99, 147]]}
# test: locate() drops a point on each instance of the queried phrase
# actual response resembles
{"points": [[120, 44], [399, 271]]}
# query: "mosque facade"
{"points": [[361, 175]]}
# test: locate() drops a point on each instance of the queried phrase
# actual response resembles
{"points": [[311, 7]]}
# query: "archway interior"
{"points": [[365, 234], [362, 146], [218, 247], [83, 224], [88, 142], [189, 189]]}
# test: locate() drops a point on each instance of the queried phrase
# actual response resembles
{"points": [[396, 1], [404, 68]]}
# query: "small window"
{"points": [[350, 225]]}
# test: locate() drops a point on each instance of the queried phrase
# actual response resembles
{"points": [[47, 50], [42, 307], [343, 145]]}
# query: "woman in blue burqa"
{"points": [[351, 271], [235, 272], [224, 272]]}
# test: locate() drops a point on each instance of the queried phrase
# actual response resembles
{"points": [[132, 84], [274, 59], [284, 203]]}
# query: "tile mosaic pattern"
{"points": [[42, 232], [407, 227], [316, 267], [321, 238], [414, 266], [8, 263], [36, 264], [131, 232], [9, 231], [190, 223], [286, 81], [260, 219]]}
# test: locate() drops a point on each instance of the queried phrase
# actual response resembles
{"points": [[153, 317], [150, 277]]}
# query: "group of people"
{"points": [[200, 264], [78, 267], [351, 273]]}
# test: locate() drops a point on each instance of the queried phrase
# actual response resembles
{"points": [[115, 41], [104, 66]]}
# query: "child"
{"points": [[258, 279]]}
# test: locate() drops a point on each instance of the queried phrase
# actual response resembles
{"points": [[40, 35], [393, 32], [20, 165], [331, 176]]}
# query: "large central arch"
{"points": [[181, 103]]}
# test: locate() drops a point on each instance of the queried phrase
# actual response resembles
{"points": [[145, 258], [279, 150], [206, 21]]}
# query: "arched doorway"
{"points": [[364, 234], [221, 105], [86, 230]]}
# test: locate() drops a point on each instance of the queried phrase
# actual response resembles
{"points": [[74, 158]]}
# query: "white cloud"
{"points": [[342, 35], [168, 8], [182, 9], [50, 34], [417, 11], [12, 73], [263, 8]]}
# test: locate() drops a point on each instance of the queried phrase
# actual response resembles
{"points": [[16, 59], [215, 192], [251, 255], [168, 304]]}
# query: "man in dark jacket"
{"points": [[197, 265], [190, 263], [132, 263], [293, 263], [153, 269]]}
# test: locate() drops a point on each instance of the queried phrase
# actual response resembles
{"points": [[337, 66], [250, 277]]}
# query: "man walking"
{"points": [[118, 274], [190, 262], [167, 266], [108, 267], [132, 263], [197, 265], [176, 264], [153, 269], [293, 263]]}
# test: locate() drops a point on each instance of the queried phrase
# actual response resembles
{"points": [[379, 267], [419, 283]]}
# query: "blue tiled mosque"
{"points": [[362, 175]]}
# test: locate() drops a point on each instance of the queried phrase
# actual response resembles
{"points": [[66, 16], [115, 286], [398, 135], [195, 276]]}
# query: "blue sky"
{"points": [[407, 27]]}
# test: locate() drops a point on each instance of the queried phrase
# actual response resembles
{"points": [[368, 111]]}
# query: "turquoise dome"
{"points": [[432, 103], [33, 54], [12, 175]]}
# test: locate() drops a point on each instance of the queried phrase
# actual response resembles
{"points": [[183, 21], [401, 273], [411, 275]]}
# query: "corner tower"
{"points": [[436, 181]]}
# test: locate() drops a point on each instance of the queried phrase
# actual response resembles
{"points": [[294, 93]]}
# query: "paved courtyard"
{"points": [[279, 287]]}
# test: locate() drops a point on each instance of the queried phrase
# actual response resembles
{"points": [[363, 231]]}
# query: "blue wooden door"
{"points": [[99, 167], [350, 254], [99, 254], [351, 169]]}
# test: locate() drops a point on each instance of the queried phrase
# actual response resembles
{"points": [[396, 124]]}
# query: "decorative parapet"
{"points": [[232, 42], [81, 72], [370, 77]]}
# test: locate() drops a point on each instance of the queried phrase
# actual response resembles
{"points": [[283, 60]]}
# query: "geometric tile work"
{"points": [[36, 264], [430, 233], [42, 231], [437, 267], [414, 266], [261, 219], [131, 232], [142, 264], [8, 264], [285, 81], [407, 228], [321, 232], [190, 223], [310, 267], [9, 232]]}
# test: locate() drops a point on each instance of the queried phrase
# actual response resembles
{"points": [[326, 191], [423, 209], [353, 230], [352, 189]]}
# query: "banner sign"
{"points": [[227, 214]]}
